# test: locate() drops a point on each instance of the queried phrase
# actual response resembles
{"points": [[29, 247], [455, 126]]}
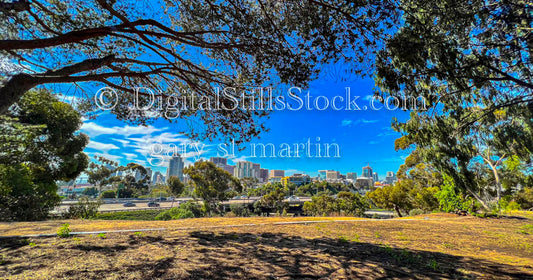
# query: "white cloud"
{"points": [[93, 130], [101, 147], [130, 156], [346, 122]]}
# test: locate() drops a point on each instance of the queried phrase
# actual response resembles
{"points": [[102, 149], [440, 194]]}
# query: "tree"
{"points": [[90, 191], [465, 70], [184, 47], [99, 172], [211, 183], [176, 186], [275, 200], [352, 203], [394, 197], [39, 145]]}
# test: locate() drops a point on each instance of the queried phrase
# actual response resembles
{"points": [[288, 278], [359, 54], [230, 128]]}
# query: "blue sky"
{"points": [[362, 136]]}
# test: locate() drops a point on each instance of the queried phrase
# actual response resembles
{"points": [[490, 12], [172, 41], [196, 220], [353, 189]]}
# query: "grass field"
{"points": [[441, 246]]}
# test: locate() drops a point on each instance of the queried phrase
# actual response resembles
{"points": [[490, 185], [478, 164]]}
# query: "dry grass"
{"points": [[443, 247]]}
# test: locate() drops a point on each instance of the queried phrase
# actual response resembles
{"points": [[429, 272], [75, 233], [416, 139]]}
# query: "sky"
{"points": [[362, 136]]}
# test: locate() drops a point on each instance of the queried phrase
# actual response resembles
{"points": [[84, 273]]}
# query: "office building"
{"points": [[390, 178], [367, 172], [245, 169], [276, 173], [375, 177], [158, 178], [263, 175], [297, 179], [219, 161], [351, 176], [332, 175], [175, 167]]}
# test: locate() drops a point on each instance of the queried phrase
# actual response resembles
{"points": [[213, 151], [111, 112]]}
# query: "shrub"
{"points": [[108, 194], [415, 212], [84, 209], [525, 198], [175, 214], [142, 215], [193, 206], [64, 231], [239, 210]]}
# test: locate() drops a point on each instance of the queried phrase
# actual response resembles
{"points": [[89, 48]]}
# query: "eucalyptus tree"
{"points": [[184, 48], [470, 64]]}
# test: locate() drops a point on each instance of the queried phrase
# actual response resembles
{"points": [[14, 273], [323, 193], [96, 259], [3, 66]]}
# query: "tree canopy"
{"points": [[39, 145], [186, 48]]}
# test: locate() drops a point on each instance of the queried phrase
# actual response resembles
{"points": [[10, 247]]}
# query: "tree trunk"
{"points": [[397, 209], [13, 89]]}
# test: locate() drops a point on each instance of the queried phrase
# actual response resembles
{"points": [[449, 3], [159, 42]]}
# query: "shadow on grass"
{"points": [[210, 255], [283, 256]]}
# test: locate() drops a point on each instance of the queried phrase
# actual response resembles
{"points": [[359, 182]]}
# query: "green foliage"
{"points": [[239, 210], [416, 212], [108, 194], [39, 145], [92, 191], [175, 186], [467, 65], [64, 231], [223, 46], [274, 200], [175, 214], [211, 183], [525, 198], [352, 204], [102, 235], [141, 215], [84, 209], [450, 200], [189, 209]]}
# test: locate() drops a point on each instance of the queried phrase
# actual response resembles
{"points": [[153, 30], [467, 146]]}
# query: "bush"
{"points": [[193, 206], [415, 212], [143, 215], [175, 214], [64, 231], [84, 209], [525, 198], [239, 210], [108, 194]]}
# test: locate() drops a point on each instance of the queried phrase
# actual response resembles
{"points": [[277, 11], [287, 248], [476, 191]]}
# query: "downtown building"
{"points": [[223, 163], [175, 167]]}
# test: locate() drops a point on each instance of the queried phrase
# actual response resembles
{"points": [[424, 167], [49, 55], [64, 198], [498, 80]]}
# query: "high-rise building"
{"points": [[245, 169], [367, 172], [332, 175], [391, 177], [158, 178], [219, 160], [175, 167], [263, 175], [229, 168], [351, 176], [277, 173], [223, 163], [322, 174], [297, 179], [375, 177], [149, 174]]}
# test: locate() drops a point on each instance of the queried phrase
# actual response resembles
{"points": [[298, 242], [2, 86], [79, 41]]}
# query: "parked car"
{"points": [[161, 199], [129, 204], [153, 204]]}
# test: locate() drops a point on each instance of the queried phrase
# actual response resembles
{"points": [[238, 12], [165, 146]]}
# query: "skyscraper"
{"points": [[175, 167], [245, 169], [219, 161], [375, 177], [277, 173], [367, 172], [351, 176]]}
